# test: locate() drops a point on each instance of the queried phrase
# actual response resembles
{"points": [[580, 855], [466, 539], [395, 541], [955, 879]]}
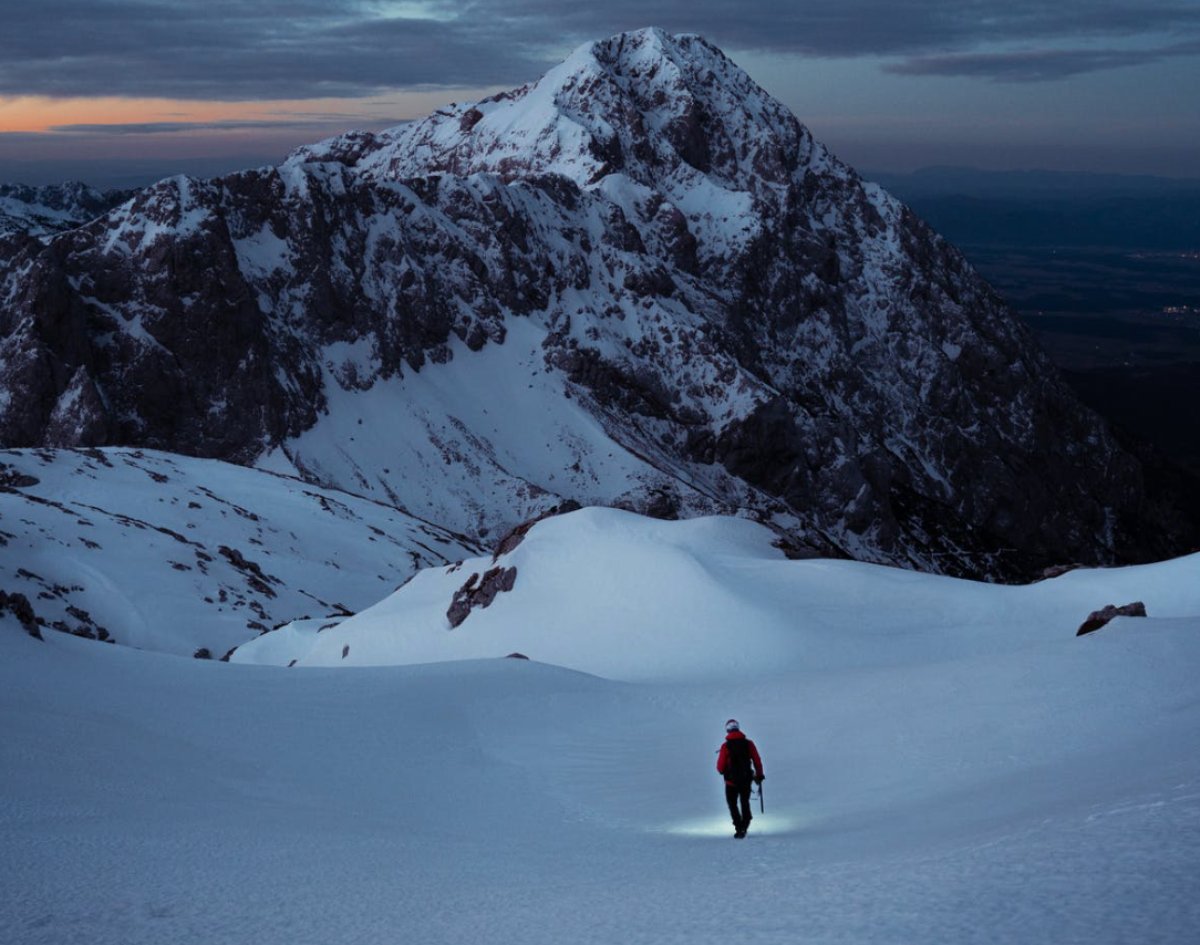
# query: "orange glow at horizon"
{"points": [[38, 114]]}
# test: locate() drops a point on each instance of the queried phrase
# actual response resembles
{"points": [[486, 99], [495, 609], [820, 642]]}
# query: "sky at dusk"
{"points": [[123, 91]]}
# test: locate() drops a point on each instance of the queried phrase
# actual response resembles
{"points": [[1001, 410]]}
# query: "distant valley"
{"points": [[1104, 269]]}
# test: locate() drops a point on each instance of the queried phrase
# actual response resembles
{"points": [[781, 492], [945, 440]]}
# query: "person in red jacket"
{"points": [[739, 763]]}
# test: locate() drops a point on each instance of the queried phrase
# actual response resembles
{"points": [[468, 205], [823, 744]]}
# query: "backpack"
{"points": [[737, 762]]}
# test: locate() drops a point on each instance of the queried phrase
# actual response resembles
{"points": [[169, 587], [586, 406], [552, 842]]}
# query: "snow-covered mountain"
{"points": [[184, 555], [39, 212], [637, 282], [946, 761]]}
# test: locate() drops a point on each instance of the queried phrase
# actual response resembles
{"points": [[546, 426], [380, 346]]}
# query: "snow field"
{"points": [[924, 782]]}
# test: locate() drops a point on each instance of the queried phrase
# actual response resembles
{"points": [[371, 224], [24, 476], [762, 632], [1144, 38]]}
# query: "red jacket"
{"points": [[723, 756]]}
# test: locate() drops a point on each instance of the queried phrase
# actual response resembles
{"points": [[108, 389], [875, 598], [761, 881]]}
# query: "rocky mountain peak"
{"points": [[696, 156], [656, 108]]}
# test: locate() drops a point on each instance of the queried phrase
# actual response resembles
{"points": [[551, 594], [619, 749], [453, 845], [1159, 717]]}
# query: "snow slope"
{"points": [[968, 777], [609, 592], [171, 553], [487, 430]]}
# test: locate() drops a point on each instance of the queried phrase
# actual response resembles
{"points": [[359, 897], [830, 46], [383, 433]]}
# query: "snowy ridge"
{"points": [[175, 554], [40, 212], [612, 593]]}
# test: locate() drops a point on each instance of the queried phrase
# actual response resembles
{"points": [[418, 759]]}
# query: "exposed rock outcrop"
{"points": [[516, 535], [480, 591], [18, 605], [1098, 618]]}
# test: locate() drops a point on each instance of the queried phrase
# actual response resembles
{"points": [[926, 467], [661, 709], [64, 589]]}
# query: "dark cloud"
{"points": [[1039, 65], [236, 50], [232, 50], [855, 27]]}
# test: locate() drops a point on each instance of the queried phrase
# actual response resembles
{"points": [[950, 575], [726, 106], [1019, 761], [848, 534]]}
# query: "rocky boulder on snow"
{"points": [[1099, 618]]}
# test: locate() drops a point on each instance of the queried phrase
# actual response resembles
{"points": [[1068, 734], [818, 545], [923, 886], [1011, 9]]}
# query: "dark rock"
{"points": [[202, 654], [479, 592], [80, 614], [11, 478], [255, 577], [1058, 570], [469, 119], [516, 656], [1098, 618], [18, 605], [796, 551], [663, 503], [514, 536], [460, 604]]}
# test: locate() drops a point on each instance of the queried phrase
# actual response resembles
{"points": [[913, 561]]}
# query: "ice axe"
{"points": [[760, 799]]}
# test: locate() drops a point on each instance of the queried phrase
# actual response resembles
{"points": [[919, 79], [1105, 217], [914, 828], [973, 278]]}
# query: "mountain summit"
{"points": [[635, 282], [666, 112]]}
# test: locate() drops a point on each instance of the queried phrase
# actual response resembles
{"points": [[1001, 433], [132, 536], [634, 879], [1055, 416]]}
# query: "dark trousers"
{"points": [[735, 793]]}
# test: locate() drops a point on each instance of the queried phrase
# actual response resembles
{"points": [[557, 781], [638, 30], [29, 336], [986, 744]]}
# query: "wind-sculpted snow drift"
{"points": [[610, 592], [635, 282]]}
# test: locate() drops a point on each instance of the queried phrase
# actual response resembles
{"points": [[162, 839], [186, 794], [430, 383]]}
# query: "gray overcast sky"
{"points": [[1106, 85]]}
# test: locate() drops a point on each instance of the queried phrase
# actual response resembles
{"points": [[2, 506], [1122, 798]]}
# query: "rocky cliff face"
{"points": [[637, 281]]}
